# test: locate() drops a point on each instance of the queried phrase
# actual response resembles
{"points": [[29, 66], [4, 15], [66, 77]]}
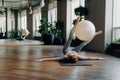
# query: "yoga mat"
{"points": [[66, 63]]}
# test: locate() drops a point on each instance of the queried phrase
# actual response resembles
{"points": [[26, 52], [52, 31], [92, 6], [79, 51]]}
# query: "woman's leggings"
{"points": [[77, 48]]}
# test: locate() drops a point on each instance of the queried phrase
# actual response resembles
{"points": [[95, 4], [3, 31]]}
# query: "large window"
{"points": [[52, 15], [36, 23], [22, 20], [2, 24], [52, 12], [71, 5], [116, 20], [36, 20]]}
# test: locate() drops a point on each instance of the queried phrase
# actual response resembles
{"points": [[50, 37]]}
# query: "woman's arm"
{"points": [[52, 59], [89, 58]]}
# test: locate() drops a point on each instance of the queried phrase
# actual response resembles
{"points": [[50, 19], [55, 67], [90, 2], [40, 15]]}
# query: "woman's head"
{"points": [[72, 56]]}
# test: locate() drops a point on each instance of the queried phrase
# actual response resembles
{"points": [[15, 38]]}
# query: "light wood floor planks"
{"points": [[17, 62]]}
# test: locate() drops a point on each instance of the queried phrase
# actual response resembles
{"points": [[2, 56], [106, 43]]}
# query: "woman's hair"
{"points": [[72, 57]]}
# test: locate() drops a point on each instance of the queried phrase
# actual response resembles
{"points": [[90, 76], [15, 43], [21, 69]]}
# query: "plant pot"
{"points": [[113, 49], [58, 41], [115, 46], [48, 39], [1, 35]]}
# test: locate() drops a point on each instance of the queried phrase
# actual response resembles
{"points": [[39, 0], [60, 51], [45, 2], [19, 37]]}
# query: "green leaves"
{"points": [[81, 11], [116, 41], [45, 27]]}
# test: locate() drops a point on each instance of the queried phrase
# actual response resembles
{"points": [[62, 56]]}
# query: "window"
{"points": [[2, 24], [52, 15], [52, 12], [22, 20], [116, 20], [71, 5], [36, 23], [36, 20]]}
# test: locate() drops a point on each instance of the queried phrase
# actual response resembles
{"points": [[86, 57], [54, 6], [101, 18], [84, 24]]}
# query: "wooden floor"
{"points": [[17, 62], [19, 42]]}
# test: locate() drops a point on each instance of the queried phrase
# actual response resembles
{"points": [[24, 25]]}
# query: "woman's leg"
{"points": [[67, 44], [83, 44]]}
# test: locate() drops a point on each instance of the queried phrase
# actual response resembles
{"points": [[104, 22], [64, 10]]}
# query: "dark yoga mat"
{"points": [[66, 63]]}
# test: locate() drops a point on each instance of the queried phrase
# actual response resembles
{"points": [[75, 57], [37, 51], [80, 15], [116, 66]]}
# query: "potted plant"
{"points": [[114, 48], [13, 34], [1, 33], [59, 33], [116, 44], [46, 30], [81, 11]]}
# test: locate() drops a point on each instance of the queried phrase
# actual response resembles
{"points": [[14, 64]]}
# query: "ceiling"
{"points": [[16, 4]]}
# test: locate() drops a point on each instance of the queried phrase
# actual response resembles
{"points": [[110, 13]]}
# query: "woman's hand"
{"points": [[77, 20]]}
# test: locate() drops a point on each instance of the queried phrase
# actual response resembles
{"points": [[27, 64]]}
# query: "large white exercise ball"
{"points": [[25, 32], [85, 30]]}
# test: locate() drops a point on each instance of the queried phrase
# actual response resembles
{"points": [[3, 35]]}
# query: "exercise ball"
{"points": [[84, 30], [25, 32]]}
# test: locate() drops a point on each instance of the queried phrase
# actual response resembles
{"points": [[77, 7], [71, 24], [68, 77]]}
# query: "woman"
{"points": [[71, 55]]}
